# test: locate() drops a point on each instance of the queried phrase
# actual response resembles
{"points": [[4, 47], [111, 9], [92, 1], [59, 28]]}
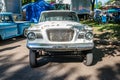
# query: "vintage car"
{"points": [[9, 28], [60, 31]]}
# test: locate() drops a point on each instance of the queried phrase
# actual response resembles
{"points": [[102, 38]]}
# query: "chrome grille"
{"points": [[60, 34]]}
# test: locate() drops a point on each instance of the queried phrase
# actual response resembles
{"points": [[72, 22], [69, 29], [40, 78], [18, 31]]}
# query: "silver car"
{"points": [[60, 31]]}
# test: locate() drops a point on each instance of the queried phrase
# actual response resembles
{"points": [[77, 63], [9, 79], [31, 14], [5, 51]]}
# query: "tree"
{"points": [[99, 4], [27, 1], [113, 2], [92, 4], [110, 1]]}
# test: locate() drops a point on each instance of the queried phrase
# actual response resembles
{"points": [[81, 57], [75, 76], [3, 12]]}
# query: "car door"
{"points": [[8, 28]]}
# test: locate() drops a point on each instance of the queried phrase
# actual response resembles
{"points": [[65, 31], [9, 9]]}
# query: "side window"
{"points": [[8, 19]]}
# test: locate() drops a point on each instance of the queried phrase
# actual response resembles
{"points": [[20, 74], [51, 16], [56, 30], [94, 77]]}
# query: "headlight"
{"points": [[89, 35], [31, 36]]}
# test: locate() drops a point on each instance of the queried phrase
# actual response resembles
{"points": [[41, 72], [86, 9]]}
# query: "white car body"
{"points": [[60, 35], [60, 32]]}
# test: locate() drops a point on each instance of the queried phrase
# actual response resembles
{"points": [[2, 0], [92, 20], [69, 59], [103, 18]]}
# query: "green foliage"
{"points": [[110, 1], [99, 4], [27, 1], [110, 31], [114, 31]]}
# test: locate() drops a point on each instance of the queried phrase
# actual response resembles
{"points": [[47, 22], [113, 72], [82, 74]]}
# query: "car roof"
{"points": [[57, 11]]}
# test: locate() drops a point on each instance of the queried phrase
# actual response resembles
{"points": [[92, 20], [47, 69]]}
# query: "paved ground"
{"points": [[14, 64]]}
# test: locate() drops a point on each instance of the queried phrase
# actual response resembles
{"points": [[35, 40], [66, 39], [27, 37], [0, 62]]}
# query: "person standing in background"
{"points": [[104, 18]]}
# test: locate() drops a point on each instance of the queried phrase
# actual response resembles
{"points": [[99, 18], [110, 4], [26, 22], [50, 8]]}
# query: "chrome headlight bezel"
{"points": [[89, 35], [31, 36]]}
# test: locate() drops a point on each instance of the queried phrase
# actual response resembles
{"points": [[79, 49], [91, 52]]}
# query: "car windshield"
{"points": [[59, 16]]}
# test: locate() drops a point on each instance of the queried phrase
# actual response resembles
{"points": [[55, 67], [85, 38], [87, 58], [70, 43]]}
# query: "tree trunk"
{"points": [[92, 4]]}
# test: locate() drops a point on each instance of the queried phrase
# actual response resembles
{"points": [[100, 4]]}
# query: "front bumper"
{"points": [[61, 47]]}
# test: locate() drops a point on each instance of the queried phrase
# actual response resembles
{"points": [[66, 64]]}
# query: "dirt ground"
{"points": [[14, 63]]}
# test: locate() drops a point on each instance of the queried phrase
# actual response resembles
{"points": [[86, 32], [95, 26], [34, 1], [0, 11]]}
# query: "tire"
{"points": [[25, 32], [32, 59], [88, 59]]}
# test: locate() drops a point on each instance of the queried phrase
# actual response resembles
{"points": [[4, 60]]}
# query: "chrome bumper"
{"points": [[61, 47]]}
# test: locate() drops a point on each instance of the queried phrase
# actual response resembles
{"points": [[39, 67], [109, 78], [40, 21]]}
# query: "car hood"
{"points": [[59, 24]]}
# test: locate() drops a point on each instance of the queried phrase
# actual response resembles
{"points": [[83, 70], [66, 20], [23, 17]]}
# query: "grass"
{"points": [[109, 31]]}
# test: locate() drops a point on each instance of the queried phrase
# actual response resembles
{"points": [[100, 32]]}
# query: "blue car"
{"points": [[9, 28]]}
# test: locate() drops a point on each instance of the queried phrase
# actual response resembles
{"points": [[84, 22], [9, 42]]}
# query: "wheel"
{"points": [[25, 32], [88, 59], [32, 59]]}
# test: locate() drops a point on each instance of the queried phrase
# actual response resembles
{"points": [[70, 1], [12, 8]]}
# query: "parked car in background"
{"points": [[9, 28], [114, 15], [59, 31]]}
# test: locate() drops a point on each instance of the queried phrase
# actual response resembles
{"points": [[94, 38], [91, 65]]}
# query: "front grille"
{"points": [[60, 35]]}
